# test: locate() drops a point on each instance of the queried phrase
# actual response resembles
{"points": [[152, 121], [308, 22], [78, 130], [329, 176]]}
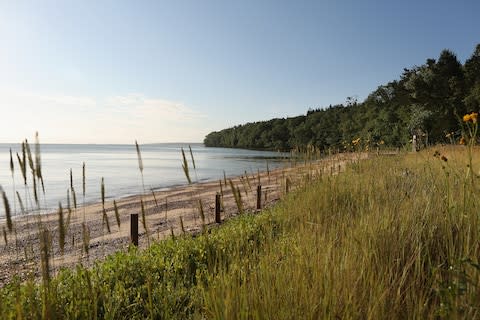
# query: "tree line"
{"points": [[427, 101]]}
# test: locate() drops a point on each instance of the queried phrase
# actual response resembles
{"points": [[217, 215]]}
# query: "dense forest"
{"points": [[427, 101]]}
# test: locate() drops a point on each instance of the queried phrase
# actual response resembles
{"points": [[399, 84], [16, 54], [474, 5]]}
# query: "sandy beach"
{"points": [[163, 210]]}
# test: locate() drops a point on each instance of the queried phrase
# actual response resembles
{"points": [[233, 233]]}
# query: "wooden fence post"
{"points": [[134, 229], [259, 197], [218, 219]]}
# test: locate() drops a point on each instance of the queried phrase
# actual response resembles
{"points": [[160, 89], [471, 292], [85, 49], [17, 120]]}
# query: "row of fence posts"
{"points": [[218, 219]]}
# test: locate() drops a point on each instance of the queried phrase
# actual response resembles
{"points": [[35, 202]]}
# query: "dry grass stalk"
{"points": [[11, 163], [8, 214], [185, 167], [61, 229], [248, 181], [117, 214], [102, 192], [72, 188], [83, 190], [166, 209], [33, 170], [202, 213], [45, 243], [23, 164], [144, 219], [74, 197], [193, 162], [105, 220], [154, 197], [139, 156], [85, 237], [5, 237], [22, 207], [69, 207], [105, 217], [38, 162], [287, 184], [268, 173], [193, 159], [12, 171], [182, 227], [83, 180], [236, 196]]}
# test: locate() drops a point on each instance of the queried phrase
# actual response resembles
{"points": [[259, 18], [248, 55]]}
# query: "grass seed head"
{"points": [[117, 214], [139, 156], [61, 229], [11, 163], [8, 213], [185, 167]]}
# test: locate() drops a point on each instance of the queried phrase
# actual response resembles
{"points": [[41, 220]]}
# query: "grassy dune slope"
{"points": [[390, 237]]}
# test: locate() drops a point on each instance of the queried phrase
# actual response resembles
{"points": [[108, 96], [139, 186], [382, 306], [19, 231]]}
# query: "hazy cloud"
{"points": [[82, 119]]}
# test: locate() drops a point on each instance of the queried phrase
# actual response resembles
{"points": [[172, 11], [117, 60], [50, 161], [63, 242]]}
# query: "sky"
{"points": [[173, 71]]}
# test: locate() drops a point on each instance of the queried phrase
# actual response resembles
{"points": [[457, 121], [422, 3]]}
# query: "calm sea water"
{"points": [[118, 165]]}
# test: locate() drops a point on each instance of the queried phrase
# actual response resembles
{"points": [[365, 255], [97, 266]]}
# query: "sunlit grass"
{"points": [[389, 237]]}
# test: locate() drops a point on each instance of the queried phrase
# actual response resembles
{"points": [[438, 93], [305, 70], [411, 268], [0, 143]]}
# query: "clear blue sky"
{"points": [[159, 71]]}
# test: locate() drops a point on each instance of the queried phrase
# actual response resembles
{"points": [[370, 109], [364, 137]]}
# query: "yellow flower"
{"points": [[356, 141], [473, 117]]}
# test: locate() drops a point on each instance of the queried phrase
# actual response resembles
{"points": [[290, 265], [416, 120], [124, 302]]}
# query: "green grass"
{"points": [[389, 238]]}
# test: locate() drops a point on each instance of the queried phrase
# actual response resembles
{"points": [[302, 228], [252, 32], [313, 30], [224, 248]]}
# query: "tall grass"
{"points": [[8, 213], [237, 196], [61, 229], [185, 168], [12, 171], [387, 238], [193, 162], [393, 238], [104, 211]]}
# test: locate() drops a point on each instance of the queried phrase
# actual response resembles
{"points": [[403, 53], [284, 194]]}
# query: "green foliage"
{"points": [[163, 281], [426, 100]]}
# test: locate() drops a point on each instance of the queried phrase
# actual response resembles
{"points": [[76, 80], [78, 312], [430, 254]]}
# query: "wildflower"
{"points": [[471, 117], [436, 154], [444, 158]]}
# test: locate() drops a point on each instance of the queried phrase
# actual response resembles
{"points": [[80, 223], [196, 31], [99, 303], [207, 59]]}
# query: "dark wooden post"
{"points": [[134, 229], [287, 185], [259, 197], [218, 219]]}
